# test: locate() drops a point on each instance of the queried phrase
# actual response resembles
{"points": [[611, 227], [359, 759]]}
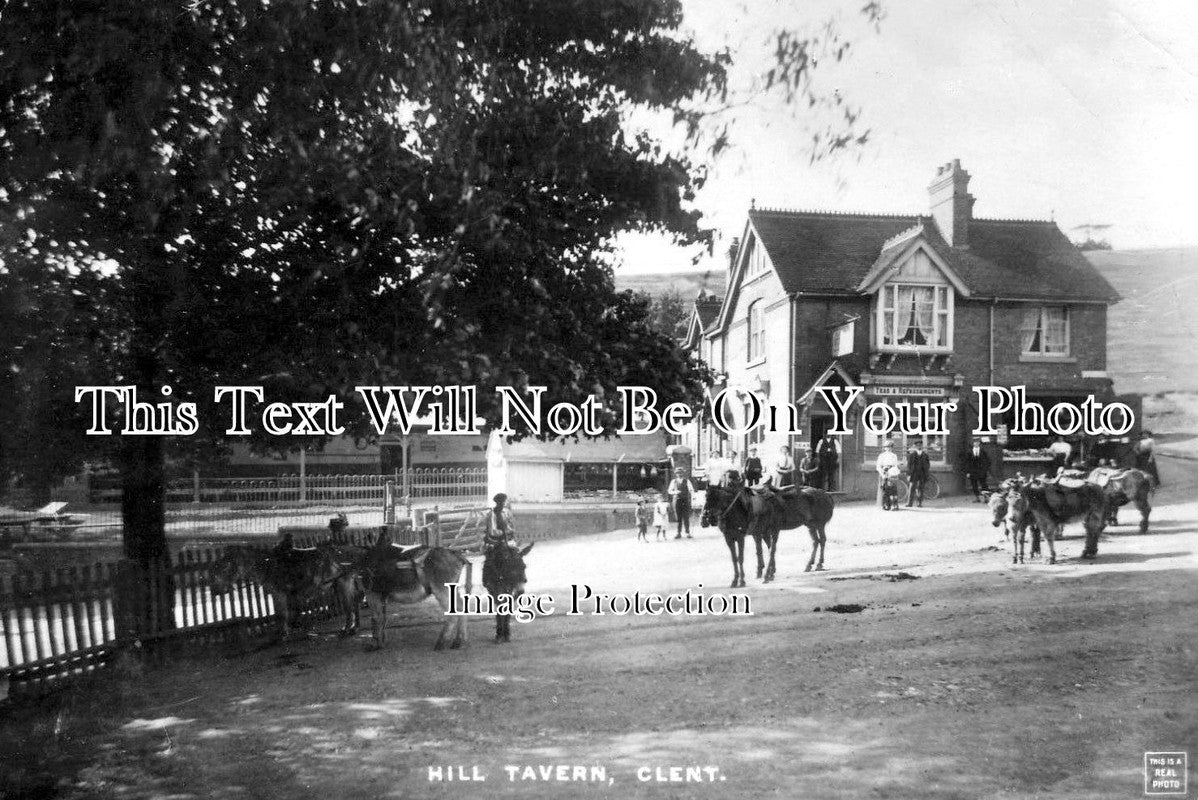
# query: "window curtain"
{"points": [[1056, 327], [917, 305], [1030, 331]]}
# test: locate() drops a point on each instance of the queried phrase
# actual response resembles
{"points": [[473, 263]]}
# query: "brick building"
{"points": [[910, 308]]}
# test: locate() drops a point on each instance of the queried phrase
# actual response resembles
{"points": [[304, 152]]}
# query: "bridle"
{"points": [[735, 498]]}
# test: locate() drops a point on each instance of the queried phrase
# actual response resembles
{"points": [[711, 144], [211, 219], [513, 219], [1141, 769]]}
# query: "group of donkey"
{"points": [[381, 574], [740, 511], [1045, 506]]}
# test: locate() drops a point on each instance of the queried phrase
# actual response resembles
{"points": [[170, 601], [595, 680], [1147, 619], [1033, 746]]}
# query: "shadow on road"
{"points": [[1126, 558]]}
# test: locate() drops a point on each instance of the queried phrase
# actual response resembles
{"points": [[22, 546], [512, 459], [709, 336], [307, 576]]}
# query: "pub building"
{"points": [[918, 308]]}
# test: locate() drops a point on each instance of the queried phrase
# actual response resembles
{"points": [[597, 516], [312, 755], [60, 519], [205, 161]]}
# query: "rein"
{"points": [[728, 510]]}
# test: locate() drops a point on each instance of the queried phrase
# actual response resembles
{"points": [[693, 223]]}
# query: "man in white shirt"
{"points": [[717, 469], [1061, 450], [681, 492]]}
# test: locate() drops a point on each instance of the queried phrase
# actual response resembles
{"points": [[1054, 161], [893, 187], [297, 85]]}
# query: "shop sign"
{"points": [[909, 391]]}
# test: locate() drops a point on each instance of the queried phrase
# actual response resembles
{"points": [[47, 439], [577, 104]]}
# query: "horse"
{"points": [[770, 514], [292, 576], [721, 508], [389, 574], [1051, 505], [1123, 486], [504, 574]]}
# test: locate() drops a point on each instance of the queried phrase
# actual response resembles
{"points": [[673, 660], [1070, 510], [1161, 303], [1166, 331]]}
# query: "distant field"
{"points": [[1152, 339], [688, 283]]}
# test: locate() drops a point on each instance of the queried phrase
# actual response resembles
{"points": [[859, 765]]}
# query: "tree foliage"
{"points": [[668, 312], [316, 194]]}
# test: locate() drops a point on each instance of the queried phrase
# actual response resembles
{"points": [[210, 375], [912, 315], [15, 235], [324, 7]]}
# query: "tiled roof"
{"points": [[816, 251], [708, 309]]}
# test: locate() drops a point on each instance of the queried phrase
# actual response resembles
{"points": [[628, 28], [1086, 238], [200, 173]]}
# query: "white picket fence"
{"points": [[423, 483]]}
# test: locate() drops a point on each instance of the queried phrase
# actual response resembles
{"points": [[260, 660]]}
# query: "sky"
{"points": [[1080, 111]]}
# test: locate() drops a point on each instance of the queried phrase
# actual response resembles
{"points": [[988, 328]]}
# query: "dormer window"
{"points": [[915, 317], [913, 291]]}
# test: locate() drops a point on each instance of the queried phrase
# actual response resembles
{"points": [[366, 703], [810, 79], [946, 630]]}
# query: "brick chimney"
{"points": [[951, 202], [733, 253]]}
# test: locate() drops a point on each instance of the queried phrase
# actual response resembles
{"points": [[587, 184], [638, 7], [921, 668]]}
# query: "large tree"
{"points": [[315, 194]]}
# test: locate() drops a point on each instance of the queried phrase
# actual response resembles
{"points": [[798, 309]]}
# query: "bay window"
{"points": [[915, 317]]}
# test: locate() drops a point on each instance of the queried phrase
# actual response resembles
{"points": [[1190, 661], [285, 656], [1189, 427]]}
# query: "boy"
{"points": [[499, 527], [643, 515]]}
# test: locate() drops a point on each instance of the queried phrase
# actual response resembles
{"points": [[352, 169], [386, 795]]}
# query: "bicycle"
{"points": [[931, 488]]}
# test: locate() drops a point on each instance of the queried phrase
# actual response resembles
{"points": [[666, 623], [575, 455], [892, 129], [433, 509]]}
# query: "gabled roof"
{"points": [[898, 249], [835, 368], [704, 314], [823, 252]]}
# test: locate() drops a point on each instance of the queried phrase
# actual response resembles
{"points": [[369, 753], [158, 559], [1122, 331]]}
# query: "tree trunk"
{"points": [[148, 589]]}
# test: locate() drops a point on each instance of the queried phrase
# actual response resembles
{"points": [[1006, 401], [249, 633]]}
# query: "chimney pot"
{"points": [[951, 203]]}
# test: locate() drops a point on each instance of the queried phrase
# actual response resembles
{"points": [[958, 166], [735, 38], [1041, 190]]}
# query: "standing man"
{"points": [[681, 491], [753, 468], [1145, 458], [887, 466], [919, 467], [808, 469], [828, 454], [977, 467]]}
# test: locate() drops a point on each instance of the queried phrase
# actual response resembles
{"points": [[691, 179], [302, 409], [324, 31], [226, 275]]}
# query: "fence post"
{"points": [[389, 503], [195, 485], [615, 481], [303, 476]]}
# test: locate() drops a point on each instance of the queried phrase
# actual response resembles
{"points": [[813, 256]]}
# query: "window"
{"points": [[756, 333], [915, 317], [1045, 331]]}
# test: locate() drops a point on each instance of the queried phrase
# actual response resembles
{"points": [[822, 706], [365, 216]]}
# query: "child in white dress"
{"points": [[661, 516]]}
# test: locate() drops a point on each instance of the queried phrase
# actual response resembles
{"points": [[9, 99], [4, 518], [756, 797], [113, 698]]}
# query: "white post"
{"points": [[406, 448]]}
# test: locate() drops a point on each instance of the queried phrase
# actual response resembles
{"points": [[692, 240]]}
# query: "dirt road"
{"points": [[966, 677]]}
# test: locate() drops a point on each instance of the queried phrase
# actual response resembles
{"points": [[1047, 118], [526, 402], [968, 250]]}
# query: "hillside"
{"points": [[688, 283], [1152, 339]]}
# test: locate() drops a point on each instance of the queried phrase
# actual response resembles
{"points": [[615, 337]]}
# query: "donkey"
{"points": [[1123, 486], [722, 507], [504, 574], [293, 576], [1009, 509], [391, 575], [1051, 506]]}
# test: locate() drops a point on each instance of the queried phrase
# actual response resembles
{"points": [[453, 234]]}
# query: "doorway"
{"points": [[831, 463]]}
